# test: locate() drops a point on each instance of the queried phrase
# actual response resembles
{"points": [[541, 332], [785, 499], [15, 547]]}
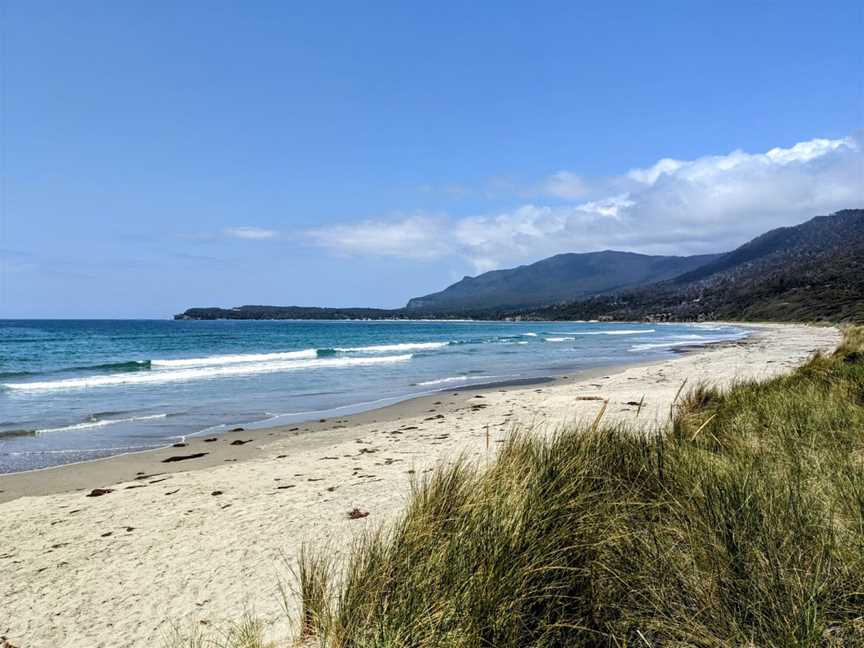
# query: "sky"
{"points": [[160, 155]]}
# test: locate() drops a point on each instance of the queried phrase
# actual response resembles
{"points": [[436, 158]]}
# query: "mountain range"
{"points": [[561, 278], [811, 271]]}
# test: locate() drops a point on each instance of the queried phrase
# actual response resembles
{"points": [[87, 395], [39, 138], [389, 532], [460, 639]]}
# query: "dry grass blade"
{"points": [[702, 427], [599, 415], [675, 400]]}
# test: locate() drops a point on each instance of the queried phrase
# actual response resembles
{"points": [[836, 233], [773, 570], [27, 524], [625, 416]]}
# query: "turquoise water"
{"points": [[77, 390]]}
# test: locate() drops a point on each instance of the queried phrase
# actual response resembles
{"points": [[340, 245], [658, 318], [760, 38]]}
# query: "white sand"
{"points": [[176, 552]]}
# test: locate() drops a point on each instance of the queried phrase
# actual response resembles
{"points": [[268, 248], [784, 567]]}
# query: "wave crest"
{"points": [[387, 348], [94, 423], [617, 332], [236, 358], [190, 373], [129, 365]]}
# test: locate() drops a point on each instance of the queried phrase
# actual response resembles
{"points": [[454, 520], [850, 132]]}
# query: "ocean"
{"points": [[77, 390]]}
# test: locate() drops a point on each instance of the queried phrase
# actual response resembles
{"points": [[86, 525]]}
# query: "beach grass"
{"points": [[741, 523], [248, 632]]}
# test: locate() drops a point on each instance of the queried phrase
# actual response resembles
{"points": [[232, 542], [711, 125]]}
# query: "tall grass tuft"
{"points": [[313, 576], [741, 523], [248, 632]]}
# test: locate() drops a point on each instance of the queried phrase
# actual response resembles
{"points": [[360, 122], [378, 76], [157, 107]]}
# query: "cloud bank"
{"points": [[710, 204]]}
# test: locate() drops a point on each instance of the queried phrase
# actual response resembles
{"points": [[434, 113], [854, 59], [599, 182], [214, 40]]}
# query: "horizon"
{"points": [[161, 158], [355, 307]]}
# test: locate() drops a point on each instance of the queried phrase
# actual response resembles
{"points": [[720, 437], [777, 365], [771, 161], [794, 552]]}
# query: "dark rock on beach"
{"points": [[175, 458], [99, 492]]}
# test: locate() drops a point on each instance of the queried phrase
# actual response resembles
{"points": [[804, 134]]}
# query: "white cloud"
{"points": [[611, 206], [412, 237], [806, 151], [709, 204], [649, 176], [251, 233], [565, 184]]}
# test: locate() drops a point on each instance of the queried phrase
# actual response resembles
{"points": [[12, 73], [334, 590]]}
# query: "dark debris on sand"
{"points": [[194, 455], [99, 492]]}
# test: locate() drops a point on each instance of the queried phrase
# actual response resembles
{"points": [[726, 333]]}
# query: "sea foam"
{"points": [[199, 373], [304, 354], [452, 379], [442, 381], [209, 361], [618, 332], [388, 348], [667, 345], [101, 423]]}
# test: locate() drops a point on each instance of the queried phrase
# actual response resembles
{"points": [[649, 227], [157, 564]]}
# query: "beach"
{"points": [[112, 552], [73, 391]]}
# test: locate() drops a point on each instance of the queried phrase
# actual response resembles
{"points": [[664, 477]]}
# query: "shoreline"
{"points": [[52, 453], [198, 545], [113, 469]]}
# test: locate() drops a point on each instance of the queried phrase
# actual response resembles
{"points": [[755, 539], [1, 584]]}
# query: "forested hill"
{"points": [[812, 271], [560, 278]]}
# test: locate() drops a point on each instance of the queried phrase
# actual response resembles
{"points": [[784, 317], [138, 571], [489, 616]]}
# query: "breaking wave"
{"points": [[389, 348], [102, 423], [131, 365], [618, 332], [452, 379], [210, 361], [670, 344], [198, 372], [443, 381]]}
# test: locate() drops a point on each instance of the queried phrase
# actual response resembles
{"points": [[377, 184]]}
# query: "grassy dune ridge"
{"points": [[740, 523]]}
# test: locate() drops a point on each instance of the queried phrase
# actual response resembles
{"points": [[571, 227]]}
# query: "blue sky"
{"points": [[161, 155]]}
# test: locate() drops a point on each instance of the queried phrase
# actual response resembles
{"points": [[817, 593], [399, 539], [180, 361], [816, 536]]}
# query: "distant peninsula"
{"points": [[283, 312]]}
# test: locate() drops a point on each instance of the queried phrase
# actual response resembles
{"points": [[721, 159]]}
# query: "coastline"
{"points": [[245, 442], [206, 538], [277, 382], [223, 446]]}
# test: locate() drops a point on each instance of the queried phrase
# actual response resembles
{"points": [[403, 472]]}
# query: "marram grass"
{"points": [[742, 524]]}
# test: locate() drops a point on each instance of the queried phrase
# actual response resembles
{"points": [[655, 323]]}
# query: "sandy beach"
{"points": [[200, 534]]}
